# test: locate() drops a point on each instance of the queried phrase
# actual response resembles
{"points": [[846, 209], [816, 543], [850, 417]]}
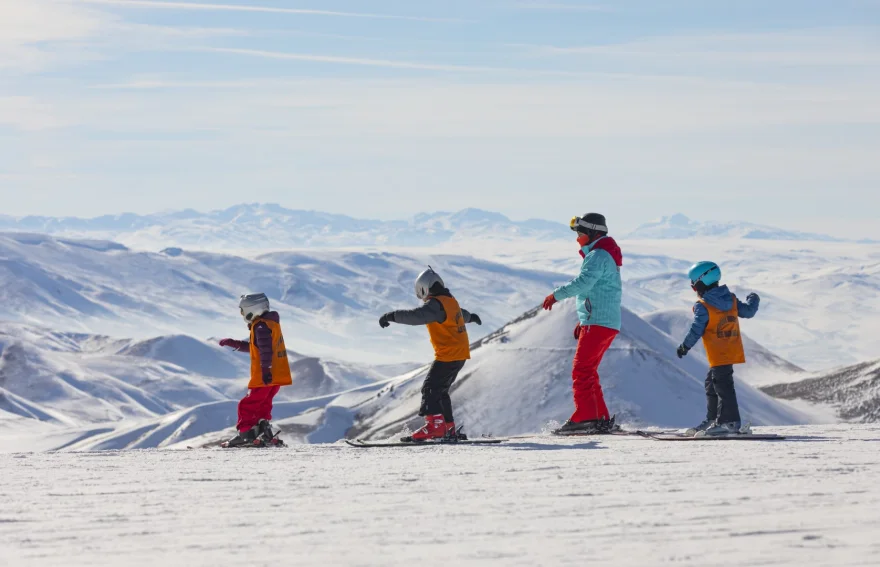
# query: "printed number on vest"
{"points": [[727, 327], [458, 318], [279, 348]]}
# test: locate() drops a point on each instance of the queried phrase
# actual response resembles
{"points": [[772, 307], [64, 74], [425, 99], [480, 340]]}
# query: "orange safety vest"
{"points": [[280, 364], [722, 337], [450, 338]]}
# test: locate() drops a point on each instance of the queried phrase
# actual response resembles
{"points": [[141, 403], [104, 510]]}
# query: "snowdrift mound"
{"points": [[518, 381], [763, 366], [854, 391]]}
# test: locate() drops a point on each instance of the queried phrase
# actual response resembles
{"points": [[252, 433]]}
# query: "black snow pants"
{"points": [[721, 401], [435, 390]]}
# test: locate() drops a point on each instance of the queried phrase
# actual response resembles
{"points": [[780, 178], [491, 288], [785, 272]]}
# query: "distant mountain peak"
{"points": [[679, 225]]}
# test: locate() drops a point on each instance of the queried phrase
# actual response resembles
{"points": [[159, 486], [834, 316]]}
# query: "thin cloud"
{"points": [[561, 7], [352, 60], [261, 9]]}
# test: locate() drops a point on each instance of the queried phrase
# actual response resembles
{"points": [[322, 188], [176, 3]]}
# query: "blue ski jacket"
{"points": [[598, 287], [720, 298]]}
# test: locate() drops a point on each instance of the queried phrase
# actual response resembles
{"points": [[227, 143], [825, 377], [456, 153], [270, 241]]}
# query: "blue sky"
{"points": [[765, 111]]}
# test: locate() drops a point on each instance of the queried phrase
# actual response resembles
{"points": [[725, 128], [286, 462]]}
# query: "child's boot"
{"points": [[719, 429], [242, 439], [434, 428], [704, 425]]}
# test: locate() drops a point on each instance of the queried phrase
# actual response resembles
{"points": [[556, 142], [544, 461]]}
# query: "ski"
{"points": [[732, 437], [367, 444]]}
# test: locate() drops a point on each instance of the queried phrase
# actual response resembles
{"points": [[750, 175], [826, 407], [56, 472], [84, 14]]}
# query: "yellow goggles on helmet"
{"points": [[578, 222]]}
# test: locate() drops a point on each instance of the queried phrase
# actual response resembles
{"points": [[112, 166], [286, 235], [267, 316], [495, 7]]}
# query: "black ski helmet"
{"points": [[589, 222]]}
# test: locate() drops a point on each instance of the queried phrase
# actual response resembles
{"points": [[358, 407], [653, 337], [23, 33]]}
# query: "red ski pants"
{"points": [[256, 405], [589, 403]]}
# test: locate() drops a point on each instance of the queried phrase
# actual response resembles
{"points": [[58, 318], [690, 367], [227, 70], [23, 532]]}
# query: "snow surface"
{"points": [[813, 499]]}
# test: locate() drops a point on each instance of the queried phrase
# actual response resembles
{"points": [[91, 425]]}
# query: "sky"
{"points": [[754, 110]]}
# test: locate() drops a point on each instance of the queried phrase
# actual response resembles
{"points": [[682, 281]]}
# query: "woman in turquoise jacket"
{"points": [[598, 291]]}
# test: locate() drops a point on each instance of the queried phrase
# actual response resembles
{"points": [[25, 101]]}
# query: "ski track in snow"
{"points": [[811, 500]]}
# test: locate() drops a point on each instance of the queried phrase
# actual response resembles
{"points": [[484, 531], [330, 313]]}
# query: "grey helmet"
{"points": [[253, 305], [426, 281]]}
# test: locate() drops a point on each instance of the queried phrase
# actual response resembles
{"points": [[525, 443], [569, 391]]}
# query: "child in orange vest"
{"points": [[270, 370], [446, 326], [716, 321]]}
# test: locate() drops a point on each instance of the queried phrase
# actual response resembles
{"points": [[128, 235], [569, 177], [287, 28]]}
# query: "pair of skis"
{"points": [[655, 435]]}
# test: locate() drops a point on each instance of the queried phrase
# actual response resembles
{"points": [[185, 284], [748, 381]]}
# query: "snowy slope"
{"points": [[854, 391], [680, 226], [762, 366], [262, 226], [518, 381], [329, 301]]}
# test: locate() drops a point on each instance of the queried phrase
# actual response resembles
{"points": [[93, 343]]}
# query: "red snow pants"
{"points": [[256, 405], [589, 403]]}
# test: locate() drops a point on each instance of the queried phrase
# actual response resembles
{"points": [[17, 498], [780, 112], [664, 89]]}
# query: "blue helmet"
{"points": [[707, 272]]}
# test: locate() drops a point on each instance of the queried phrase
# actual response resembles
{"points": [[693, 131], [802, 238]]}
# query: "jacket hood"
{"points": [[271, 316], [609, 245], [719, 298]]}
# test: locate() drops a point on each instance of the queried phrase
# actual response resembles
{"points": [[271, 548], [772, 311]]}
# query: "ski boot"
{"points": [[589, 427], [434, 429], [269, 438], [247, 438], [704, 425], [730, 428]]}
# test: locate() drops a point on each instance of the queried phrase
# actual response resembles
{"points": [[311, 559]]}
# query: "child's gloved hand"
{"points": [[682, 351], [549, 301], [476, 319], [267, 376], [228, 343], [386, 320], [577, 332], [752, 298]]}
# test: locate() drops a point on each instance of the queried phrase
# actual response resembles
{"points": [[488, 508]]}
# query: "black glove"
{"points": [[682, 351], [476, 319], [752, 297], [267, 376], [577, 332], [386, 320]]}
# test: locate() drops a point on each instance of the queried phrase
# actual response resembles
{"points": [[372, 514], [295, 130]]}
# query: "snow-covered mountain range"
{"points": [[330, 301], [76, 379], [679, 226], [269, 226]]}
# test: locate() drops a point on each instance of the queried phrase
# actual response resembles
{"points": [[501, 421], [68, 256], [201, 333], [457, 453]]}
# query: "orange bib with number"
{"points": [[722, 338]]}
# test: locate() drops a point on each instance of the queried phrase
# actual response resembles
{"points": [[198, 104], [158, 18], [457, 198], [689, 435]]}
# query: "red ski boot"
{"points": [[434, 428]]}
